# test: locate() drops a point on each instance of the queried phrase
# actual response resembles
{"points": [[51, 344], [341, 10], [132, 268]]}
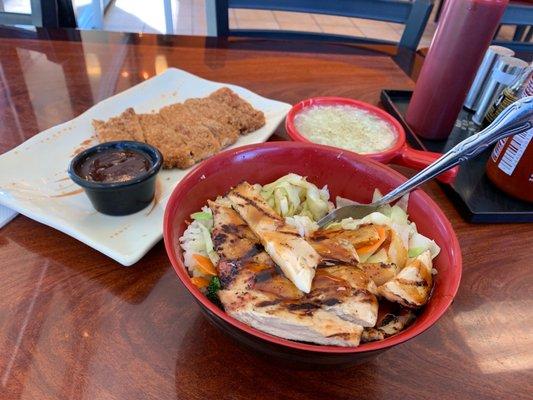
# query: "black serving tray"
{"points": [[476, 198]]}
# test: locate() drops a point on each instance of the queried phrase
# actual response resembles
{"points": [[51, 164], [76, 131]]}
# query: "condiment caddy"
{"points": [[477, 198]]}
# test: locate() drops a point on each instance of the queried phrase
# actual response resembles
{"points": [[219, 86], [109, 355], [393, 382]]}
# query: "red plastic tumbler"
{"points": [[462, 38]]}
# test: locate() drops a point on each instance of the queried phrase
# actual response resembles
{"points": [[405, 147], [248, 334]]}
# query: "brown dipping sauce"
{"points": [[114, 165]]}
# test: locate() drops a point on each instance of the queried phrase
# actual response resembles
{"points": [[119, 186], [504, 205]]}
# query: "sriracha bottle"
{"points": [[464, 33]]}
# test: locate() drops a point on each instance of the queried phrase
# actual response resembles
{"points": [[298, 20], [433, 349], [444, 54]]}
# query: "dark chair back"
{"points": [[44, 13], [414, 14], [519, 13]]}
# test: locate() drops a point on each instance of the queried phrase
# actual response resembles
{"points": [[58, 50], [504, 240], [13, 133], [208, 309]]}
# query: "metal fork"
{"points": [[515, 119]]}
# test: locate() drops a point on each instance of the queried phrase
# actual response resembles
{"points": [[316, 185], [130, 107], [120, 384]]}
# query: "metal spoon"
{"points": [[515, 119]]}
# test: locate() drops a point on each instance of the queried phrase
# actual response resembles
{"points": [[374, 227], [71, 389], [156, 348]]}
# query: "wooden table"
{"points": [[74, 324]]}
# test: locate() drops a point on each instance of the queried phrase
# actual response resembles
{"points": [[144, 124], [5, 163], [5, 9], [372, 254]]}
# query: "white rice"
{"points": [[197, 240]]}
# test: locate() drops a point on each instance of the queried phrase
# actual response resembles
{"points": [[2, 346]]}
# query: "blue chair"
{"points": [[413, 13], [519, 13]]}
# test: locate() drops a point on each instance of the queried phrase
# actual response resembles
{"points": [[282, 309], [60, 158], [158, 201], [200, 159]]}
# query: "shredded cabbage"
{"points": [[419, 243], [403, 202], [376, 195], [304, 224], [398, 215], [197, 240], [292, 195]]}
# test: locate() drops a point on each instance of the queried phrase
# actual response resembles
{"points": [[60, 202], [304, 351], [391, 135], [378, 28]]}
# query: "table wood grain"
{"points": [[76, 325]]}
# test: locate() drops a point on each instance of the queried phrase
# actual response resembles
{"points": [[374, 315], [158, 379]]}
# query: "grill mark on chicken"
{"points": [[363, 292], [256, 249], [254, 204], [232, 228], [219, 239], [319, 238], [391, 324], [412, 283], [264, 275], [227, 270], [340, 334], [289, 233], [308, 308], [387, 319], [331, 302], [326, 263], [268, 303]]}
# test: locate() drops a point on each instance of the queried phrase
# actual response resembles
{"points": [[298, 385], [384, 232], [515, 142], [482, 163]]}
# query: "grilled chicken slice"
{"points": [[234, 242], [386, 262], [339, 245], [390, 324], [266, 300], [380, 272], [412, 286], [347, 292], [396, 251], [296, 258]]}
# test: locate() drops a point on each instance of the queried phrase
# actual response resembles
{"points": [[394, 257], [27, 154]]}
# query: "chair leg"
{"points": [[54, 13], [65, 14], [497, 32], [529, 34], [416, 23], [519, 32], [222, 17], [439, 11]]}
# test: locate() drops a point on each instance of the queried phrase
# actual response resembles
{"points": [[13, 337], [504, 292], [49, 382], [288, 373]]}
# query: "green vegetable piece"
{"points": [[415, 251], [212, 291], [201, 216]]}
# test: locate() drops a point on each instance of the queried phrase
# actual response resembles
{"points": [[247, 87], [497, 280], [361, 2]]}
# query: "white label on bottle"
{"points": [[514, 152], [498, 149]]}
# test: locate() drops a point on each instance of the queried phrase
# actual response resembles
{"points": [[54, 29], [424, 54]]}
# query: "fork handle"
{"points": [[515, 119]]}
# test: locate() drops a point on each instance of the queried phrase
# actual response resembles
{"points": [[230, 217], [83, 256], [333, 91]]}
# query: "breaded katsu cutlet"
{"points": [[186, 133], [172, 145], [200, 137], [251, 118], [124, 127], [179, 114], [213, 110], [180, 145]]}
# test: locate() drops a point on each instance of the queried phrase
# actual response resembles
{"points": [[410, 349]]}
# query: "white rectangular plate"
{"points": [[34, 180]]}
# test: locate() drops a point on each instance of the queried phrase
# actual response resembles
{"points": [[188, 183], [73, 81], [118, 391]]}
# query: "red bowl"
{"points": [[348, 175], [399, 153]]}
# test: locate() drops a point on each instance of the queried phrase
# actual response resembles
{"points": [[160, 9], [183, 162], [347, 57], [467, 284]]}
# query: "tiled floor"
{"points": [[189, 18]]}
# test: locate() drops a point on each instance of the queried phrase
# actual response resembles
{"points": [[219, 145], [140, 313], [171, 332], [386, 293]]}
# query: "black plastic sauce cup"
{"points": [[119, 198]]}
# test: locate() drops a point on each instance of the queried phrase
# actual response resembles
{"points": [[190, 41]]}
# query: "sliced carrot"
{"points": [[205, 264], [200, 282], [371, 248]]}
